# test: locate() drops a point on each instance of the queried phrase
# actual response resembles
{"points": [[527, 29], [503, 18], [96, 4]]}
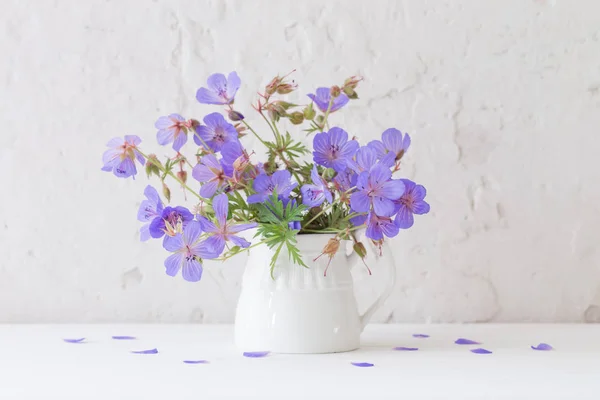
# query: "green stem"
{"points": [[327, 114], [320, 213], [172, 176], [255, 134]]}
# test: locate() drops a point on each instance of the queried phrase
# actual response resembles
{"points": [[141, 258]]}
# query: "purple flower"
{"points": [[236, 162], [362, 364], [323, 96], [465, 341], [314, 195], [150, 209], [333, 149], [365, 159], [211, 173], [345, 180], [543, 347], [216, 132], [169, 220], [119, 158], [480, 351], [376, 188], [224, 230], [391, 142], [78, 340], [378, 226], [188, 251], [411, 202], [220, 90], [171, 129], [149, 351], [264, 185]]}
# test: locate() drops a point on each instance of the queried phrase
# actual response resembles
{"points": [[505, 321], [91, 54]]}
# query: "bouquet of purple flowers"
{"points": [[346, 186]]}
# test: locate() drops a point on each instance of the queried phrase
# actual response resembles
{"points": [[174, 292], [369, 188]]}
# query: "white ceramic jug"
{"points": [[302, 310]]}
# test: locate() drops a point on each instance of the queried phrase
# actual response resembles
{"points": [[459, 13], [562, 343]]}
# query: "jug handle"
{"points": [[387, 259]]}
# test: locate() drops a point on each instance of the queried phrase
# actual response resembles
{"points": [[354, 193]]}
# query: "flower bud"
{"points": [[182, 176], [360, 249], [309, 112], [331, 247], [335, 91], [348, 91], [296, 118], [235, 115], [166, 192], [271, 87], [329, 174]]}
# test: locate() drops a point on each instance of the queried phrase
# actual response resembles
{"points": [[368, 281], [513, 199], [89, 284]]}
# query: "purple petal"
{"points": [[480, 351], [165, 136], [124, 337], [241, 227], [404, 218], [150, 351], [362, 364], [543, 347], [420, 335], [173, 263], [392, 189], [74, 340], [392, 139], [360, 202], [382, 206], [125, 168], [406, 348], [366, 157], [233, 84], [192, 270], [196, 361], [221, 207], [421, 207], [191, 232], [465, 341], [256, 354], [205, 96], [213, 245], [239, 241], [208, 189], [339, 102], [180, 140]]}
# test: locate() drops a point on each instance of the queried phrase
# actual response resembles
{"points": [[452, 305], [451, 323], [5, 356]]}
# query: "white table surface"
{"points": [[35, 363]]}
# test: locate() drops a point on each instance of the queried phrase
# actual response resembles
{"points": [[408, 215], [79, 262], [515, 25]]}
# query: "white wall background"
{"points": [[502, 99]]}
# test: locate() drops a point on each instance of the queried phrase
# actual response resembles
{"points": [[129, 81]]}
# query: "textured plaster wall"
{"points": [[502, 99]]}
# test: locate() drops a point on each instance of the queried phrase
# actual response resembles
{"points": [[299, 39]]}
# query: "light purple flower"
{"points": [[236, 162], [411, 202], [196, 362], [323, 96], [150, 209], [170, 218], [393, 142], [345, 180], [119, 158], [264, 185], [188, 251], [220, 90], [211, 173], [378, 226], [420, 335], [215, 132], [224, 231], [333, 149], [171, 128], [376, 188], [124, 337], [314, 195], [364, 160]]}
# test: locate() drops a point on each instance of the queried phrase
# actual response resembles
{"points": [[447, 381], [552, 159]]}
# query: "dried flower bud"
{"points": [[286, 88], [270, 167], [240, 129], [309, 112], [335, 91], [348, 91], [235, 115], [271, 87], [352, 82], [152, 165], [182, 176], [166, 192], [330, 249], [296, 118]]}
